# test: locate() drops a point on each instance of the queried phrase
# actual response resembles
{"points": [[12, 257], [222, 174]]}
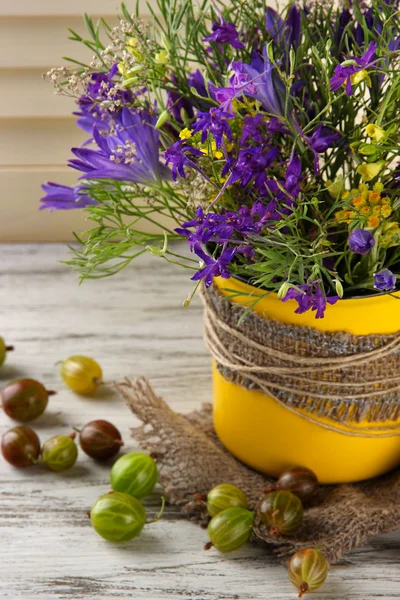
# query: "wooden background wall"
{"points": [[37, 129]]}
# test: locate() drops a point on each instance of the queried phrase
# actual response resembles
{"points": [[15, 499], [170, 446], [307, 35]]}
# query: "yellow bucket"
{"points": [[269, 437]]}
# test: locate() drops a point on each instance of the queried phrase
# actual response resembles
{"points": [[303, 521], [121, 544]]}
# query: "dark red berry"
{"points": [[24, 399], [100, 440], [20, 446]]}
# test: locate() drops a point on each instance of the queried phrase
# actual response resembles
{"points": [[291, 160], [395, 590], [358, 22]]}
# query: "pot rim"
{"points": [[365, 296]]}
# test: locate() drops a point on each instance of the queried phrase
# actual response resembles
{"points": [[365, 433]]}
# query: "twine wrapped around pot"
{"points": [[345, 377], [192, 460]]}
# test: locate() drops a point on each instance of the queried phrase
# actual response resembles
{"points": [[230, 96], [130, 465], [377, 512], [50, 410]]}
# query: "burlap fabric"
{"points": [[338, 375], [192, 460]]}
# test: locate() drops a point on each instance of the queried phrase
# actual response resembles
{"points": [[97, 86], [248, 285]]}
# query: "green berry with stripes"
{"points": [[225, 496], [230, 529], [308, 570], [118, 517], [135, 474], [282, 512], [59, 453]]}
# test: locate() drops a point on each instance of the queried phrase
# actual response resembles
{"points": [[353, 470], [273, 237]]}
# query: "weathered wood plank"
{"points": [[133, 324]]}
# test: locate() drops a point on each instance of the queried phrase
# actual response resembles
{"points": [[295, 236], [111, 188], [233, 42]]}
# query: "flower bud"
{"points": [[162, 119]]}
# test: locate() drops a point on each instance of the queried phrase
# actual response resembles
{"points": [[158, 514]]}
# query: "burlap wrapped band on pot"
{"points": [[345, 377], [191, 459]]}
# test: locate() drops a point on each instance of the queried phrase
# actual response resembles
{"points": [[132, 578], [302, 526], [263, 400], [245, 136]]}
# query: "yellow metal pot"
{"points": [[270, 438]]}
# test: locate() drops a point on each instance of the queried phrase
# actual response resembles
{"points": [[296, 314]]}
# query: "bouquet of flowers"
{"points": [[268, 138]]}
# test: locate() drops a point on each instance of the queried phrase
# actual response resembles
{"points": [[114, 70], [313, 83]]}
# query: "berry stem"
{"points": [[270, 488], [87, 513], [158, 517], [9, 348], [33, 460], [77, 430], [72, 435], [303, 589], [208, 545], [200, 497], [51, 392], [274, 531]]}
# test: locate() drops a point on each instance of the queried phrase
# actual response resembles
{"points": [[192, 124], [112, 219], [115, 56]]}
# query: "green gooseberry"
{"points": [[135, 474], [118, 517], [230, 529], [3, 351], [282, 511], [60, 452], [308, 570], [225, 496]]}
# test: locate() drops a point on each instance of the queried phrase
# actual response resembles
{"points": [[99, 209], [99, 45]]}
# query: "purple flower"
{"points": [[251, 129], [309, 296], [178, 156], [196, 80], [361, 241], [287, 191], [385, 281], [285, 33], [252, 165], [343, 74], [220, 227], [177, 103], [269, 89], [213, 268], [131, 153], [322, 139], [215, 122], [224, 33], [63, 197], [91, 112]]}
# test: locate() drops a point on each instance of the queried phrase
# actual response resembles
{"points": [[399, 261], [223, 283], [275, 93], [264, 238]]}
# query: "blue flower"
{"points": [[215, 122], [344, 73], [63, 197], [224, 33], [309, 296], [385, 281], [361, 241], [131, 153]]}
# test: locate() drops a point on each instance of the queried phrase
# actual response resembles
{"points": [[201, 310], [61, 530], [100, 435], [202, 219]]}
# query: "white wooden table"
{"points": [[133, 324]]}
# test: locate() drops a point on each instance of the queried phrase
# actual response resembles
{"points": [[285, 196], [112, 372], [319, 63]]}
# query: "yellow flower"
{"points": [[335, 187], [373, 222], [344, 215], [374, 197], [360, 76], [358, 201], [214, 152], [390, 235], [376, 132], [162, 57], [369, 171], [378, 186], [185, 134]]}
